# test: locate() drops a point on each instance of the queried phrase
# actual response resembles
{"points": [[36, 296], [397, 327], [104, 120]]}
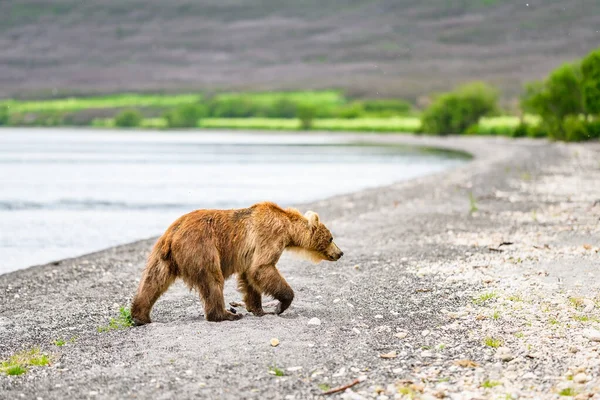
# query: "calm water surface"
{"points": [[65, 192]]}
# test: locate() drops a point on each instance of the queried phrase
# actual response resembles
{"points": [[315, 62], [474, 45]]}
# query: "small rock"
{"points": [[401, 335], [314, 321], [426, 354], [294, 369], [589, 305], [274, 342], [584, 396], [189, 372], [573, 349], [383, 328], [391, 354], [529, 375], [504, 354], [592, 334], [580, 378], [425, 332], [379, 316], [355, 330]]}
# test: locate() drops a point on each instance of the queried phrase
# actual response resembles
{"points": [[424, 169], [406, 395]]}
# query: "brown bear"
{"points": [[205, 247]]}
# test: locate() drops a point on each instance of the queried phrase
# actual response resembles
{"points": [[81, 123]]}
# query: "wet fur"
{"points": [[205, 247]]}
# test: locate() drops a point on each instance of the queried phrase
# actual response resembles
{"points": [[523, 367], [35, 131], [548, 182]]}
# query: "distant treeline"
{"points": [[564, 106]]}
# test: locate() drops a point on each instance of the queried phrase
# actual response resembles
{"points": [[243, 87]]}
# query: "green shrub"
{"points": [[185, 116], [283, 108], [556, 97], [4, 115], [537, 131], [455, 112], [593, 129], [306, 114], [575, 129], [590, 70], [128, 119], [387, 107], [235, 107], [349, 111], [522, 130]]}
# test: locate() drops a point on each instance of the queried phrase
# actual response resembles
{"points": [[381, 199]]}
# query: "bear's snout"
{"points": [[334, 253]]}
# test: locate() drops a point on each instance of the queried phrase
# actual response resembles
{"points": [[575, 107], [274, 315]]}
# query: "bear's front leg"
{"points": [[268, 279]]}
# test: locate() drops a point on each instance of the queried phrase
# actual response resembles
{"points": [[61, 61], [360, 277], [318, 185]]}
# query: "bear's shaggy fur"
{"points": [[205, 247]]}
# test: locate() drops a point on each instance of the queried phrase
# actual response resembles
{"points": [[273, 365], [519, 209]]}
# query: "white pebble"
{"points": [[314, 321], [580, 378], [592, 334]]}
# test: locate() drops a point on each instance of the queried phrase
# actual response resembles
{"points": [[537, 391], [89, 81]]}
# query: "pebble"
{"points": [[379, 316], [426, 353], [580, 378], [504, 354], [592, 334], [589, 305], [314, 321], [294, 369], [274, 342], [529, 375], [401, 335], [425, 332]]}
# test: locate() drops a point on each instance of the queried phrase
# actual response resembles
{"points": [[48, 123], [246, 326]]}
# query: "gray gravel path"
{"points": [[424, 282]]}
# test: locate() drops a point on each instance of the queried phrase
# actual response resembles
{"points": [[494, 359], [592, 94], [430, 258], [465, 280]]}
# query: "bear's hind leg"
{"points": [[156, 279], [252, 297]]}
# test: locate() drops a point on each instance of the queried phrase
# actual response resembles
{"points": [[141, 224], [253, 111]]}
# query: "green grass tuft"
{"points": [[123, 321], [276, 371], [567, 392], [491, 342], [17, 364], [324, 387], [490, 384], [59, 342], [472, 203], [484, 297]]}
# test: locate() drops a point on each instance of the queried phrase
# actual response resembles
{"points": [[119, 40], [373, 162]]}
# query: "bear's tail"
{"points": [[159, 274]]}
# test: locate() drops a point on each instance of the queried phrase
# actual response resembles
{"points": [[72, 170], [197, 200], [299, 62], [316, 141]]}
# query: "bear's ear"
{"points": [[313, 219]]}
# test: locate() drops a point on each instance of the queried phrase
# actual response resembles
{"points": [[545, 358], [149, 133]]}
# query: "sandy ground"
{"points": [[426, 282]]}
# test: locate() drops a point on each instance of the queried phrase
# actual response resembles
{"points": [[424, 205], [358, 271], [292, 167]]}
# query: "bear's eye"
{"points": [[330, 239]]}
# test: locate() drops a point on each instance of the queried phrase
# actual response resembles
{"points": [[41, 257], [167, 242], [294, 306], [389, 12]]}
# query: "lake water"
{"points": [[65, 192]]}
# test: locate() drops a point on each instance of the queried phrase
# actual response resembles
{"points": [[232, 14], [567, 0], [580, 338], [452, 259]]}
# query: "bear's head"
{"points": [[320, 242]]}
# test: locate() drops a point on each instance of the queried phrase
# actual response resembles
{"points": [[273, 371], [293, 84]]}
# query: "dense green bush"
{"points": [[590, 71], [185, 116], [556, 98], [128, 119], [283, 108], [4, 115], [306, 114], [568, 101], [522, 130], [235, 108], [387, 107], [349, 111], [455, 112]]}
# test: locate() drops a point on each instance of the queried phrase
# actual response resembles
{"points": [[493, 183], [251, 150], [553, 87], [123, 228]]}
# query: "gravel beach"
{"points": [[479, 282]]}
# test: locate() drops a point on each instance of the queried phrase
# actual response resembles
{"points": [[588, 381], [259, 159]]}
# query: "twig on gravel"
{"points": [[342, 388], [497, 249]]}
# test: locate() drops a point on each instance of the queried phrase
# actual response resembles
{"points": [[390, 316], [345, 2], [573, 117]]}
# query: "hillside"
{"points": [[367, 47]]}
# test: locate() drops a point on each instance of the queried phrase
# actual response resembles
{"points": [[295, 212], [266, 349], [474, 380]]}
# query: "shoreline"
{"points": [[247, 138], [419, 284]]}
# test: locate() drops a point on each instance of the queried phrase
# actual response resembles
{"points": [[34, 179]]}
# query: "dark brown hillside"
{"points": [[402, 48]]}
